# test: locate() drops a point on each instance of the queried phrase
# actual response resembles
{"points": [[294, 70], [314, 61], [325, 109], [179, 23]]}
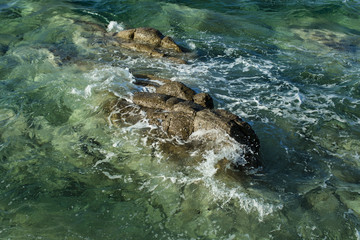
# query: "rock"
{"points": [[151, 100], [177, 89], [126, 34], [148, 35], [174, 107], [204, 99], [244, 127], [143, 49], [168, 42], [145, 83], [150, 41], [178, 124], [176, 60], [120, 110], [187, 107], [150, 77], [171, 102]]}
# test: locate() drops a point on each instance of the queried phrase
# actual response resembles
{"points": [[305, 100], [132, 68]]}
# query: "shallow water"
{"points": [[289, 69]]}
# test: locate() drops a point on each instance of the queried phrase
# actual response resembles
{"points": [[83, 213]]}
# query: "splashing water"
{"points": [[289, 69]]}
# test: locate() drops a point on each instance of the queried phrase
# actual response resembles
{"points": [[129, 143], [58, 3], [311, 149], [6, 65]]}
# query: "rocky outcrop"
{"points": [[151, 42], [179, 112]]}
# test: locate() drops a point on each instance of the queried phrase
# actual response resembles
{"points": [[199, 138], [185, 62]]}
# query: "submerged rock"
{"points": [[327, 38], [179, 112]]}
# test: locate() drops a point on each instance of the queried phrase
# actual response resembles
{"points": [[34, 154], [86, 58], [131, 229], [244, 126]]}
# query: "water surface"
{"points": [[290, 69]]}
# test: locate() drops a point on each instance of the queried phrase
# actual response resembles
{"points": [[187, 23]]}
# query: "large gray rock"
{"points": [[174, 110]]}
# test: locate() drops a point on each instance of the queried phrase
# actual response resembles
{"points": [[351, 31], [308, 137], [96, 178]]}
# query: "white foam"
{"points": [[248, 203], [114, 26], [222, 146], [88, 89], [96, 14], [107, 158], [191, 45], [229, 51], [112, 176]]}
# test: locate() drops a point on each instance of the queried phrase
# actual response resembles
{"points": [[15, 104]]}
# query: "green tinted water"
{"points": [[290, 69]]}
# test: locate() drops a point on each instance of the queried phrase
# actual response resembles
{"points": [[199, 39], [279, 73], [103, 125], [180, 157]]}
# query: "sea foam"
{"points": [[114, 26]]}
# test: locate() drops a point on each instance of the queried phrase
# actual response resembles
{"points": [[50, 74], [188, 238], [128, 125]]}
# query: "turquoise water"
{"points": [[290, 69]]}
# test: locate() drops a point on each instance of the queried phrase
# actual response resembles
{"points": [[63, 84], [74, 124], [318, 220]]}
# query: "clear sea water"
{"points": [[289, 68]]}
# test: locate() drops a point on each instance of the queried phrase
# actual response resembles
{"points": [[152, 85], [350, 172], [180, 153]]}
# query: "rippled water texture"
{"points": [[292, 70]]}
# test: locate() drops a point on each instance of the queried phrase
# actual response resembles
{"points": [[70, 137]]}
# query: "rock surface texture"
{"points": [[179, 111], [151, 42]]}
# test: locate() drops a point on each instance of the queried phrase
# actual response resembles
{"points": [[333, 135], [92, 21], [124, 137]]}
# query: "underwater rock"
{"points": [[150, 41], [351, 199], [3, 49], [328, 38], [175, 110], [322, 200]]}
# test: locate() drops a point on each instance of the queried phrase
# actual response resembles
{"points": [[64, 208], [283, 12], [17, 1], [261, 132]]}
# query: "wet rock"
{"points": [[151, 100], [122, 111], [232, 125], [175, 109], [126, 34], [148, 35], [150, 77], [168, 42], [151, 42], [204, 99], [177, 89], [178, 124], [187, 107], [176, 60], [143, 48], [145, 83]]}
